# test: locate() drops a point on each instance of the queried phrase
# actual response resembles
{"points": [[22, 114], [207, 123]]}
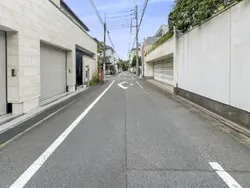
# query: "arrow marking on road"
{"points": [[121, 85]]}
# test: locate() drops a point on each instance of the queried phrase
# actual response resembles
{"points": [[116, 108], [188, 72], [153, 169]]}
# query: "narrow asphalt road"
{"points": [[127, 136]]}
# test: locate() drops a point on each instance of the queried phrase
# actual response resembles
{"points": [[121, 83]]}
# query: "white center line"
{"points": [[224, 175], [27, 175], [139, 85]]}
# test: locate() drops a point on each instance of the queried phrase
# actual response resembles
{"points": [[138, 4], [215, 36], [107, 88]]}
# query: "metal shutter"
{"points": [[167, 72], [163, 71], [53, 71], [2, 73], [158, 71]]}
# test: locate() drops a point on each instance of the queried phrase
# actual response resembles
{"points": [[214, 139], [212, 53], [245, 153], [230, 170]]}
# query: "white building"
{"points": [[38, 44], [110, 55], [133, 53]]}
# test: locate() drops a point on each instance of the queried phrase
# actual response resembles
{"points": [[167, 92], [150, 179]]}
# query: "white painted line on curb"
{"points": [[139, 85], [27, 175], [224, 175]]}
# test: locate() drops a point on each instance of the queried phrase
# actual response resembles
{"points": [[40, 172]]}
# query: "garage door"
{"points": [[2, 73], [53, 71], [163, 71]]}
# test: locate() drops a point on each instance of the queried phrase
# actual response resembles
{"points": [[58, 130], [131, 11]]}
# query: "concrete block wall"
{"points": [[213, 59], [28, 23]]}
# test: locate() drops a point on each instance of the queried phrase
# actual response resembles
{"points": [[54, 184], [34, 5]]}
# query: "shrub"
{"points": [[95, 79], [163, 39], [189, 13]]}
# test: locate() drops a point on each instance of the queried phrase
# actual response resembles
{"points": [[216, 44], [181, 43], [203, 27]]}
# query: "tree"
{"points": [[189, 13], [100, 48], [133, 64], [123, 64]]}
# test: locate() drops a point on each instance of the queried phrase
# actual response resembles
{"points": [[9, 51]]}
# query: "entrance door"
{"points": [[2, 74], [79, 71]]}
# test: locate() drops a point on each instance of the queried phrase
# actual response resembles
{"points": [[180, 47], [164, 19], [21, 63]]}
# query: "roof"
{"points": [[66, 7]]}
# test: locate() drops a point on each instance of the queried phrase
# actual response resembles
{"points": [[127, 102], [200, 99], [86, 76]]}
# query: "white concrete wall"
{"points": [[92, 63], [213, 59], [161, 52], [32, 22]]}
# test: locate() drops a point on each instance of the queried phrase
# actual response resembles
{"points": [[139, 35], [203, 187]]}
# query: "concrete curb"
{"points": [[236, 127], [18, 128]]}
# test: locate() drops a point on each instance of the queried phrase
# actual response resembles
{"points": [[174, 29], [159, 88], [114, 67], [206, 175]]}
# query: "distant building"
{"points": [[133, 53], [162, 31], [110, 55]]}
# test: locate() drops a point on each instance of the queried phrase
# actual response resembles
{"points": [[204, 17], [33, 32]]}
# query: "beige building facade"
{"points": [[38, 43]]}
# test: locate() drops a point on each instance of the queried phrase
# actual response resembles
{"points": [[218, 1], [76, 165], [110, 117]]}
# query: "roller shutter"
{"points": [[163, 71], [53, 71]]}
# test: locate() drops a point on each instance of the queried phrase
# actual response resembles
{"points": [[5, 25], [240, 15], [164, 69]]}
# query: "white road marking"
{"points": [[139, 85], [27, 175], [122, 86], [224, 175], [120, 74]]}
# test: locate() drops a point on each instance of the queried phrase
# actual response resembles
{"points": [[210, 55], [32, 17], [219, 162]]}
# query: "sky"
{"points": [[156, 15]]}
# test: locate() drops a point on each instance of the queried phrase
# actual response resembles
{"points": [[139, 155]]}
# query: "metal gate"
{"points": [[53, 71], [3, 103]]}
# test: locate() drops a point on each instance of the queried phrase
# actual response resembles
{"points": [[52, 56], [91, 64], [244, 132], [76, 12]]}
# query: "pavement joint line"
{"points": [[229, 180], [29, 173], [180, 170], [126, 142]]}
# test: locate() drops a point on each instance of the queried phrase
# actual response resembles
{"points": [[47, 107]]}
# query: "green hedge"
{"points": [[163, 39], [190, 13]]}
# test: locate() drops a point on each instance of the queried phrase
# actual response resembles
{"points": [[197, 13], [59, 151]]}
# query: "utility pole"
{"points": [[104, 51], [137, 44]]}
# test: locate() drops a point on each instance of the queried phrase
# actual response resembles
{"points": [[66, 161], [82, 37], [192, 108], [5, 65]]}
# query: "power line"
{"points": [[96, 11], [102, 22], [120, 12], [115, 21], [143, 12], [120, 16]]}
